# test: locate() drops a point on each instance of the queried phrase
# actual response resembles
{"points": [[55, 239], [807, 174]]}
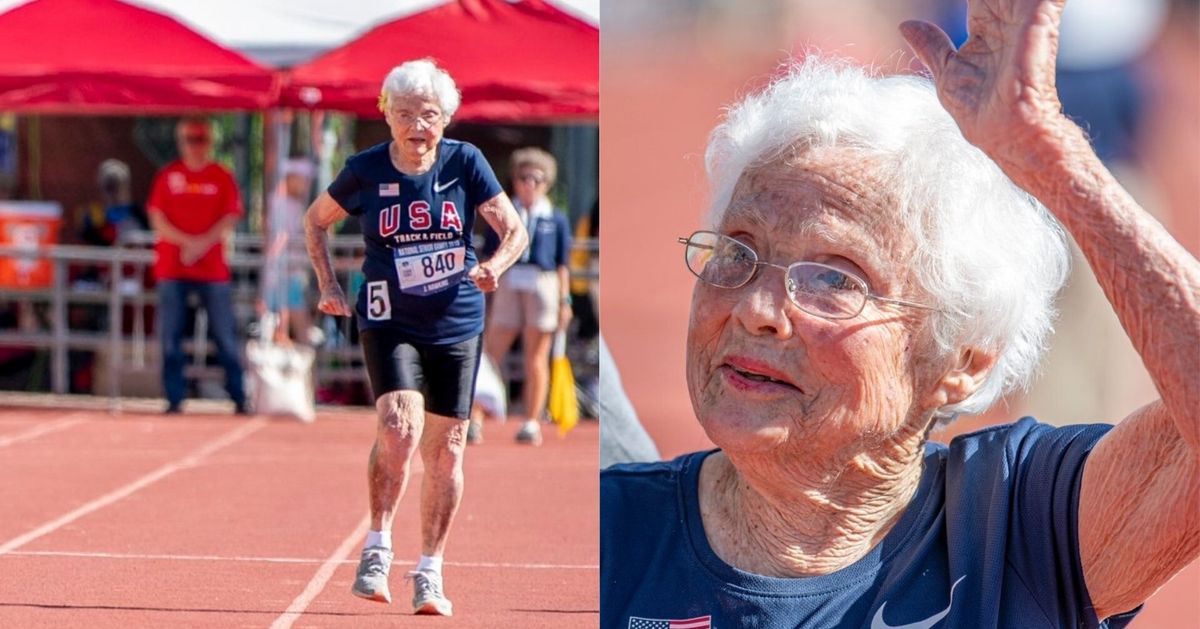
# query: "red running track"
{"points": [[206, 520]]}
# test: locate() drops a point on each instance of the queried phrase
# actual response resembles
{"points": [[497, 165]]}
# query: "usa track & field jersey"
{"points": [[417, 230]]}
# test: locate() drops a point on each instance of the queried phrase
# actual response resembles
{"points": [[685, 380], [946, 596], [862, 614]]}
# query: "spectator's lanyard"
{"points": [[530, 221]]}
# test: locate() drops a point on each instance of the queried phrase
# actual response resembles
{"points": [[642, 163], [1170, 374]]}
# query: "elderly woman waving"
{"points": [[420, 310], [868, 274]]}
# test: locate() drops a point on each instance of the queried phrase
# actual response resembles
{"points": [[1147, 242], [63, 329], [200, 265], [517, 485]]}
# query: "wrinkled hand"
{"points": [[999, 86], [484, 276], [333, 301]]}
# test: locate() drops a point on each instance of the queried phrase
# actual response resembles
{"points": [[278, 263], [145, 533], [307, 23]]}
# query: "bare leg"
{"points": [[401, 419], [537, 371], [442, 446]]}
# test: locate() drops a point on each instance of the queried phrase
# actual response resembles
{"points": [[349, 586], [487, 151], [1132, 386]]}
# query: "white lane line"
{"points": [[241, 432], [324, 573], [287, 560], [39, 430]]}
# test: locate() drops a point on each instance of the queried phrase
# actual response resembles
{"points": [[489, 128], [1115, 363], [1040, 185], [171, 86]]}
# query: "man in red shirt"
{"points": [[194, 205]]}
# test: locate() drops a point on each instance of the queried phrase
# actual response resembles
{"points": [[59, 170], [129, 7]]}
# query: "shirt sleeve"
{"points": [[346, 189], [562, 251], [481, 179], [1047, 467]]}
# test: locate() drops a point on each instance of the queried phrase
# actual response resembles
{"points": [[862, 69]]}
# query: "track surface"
{"points": [[206, 520]]}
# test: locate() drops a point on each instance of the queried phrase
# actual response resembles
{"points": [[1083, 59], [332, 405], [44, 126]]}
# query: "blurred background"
{"points": [[1129, 72]]}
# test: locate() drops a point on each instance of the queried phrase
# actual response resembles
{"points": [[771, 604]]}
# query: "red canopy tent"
{"points": [[513, 61], [106, 56]]}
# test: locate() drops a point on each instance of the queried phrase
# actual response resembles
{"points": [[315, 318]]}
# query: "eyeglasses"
{"points": [[531, 178], [815, 288], [429, 117]]}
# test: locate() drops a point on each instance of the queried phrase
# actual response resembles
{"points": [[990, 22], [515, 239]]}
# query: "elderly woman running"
{"points": [[867, 275], [421, 309]]}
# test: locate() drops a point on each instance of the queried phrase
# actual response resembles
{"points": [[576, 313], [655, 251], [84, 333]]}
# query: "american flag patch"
{"points": [[700, 622], [389, 189]]}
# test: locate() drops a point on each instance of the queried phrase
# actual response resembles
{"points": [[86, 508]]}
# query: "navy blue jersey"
{"points": [[549, 242], [417, 230], [989, 542]]}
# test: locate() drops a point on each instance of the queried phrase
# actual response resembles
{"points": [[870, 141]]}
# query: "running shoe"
{"points": [[428, 598], [531, 433], [371, 581]]}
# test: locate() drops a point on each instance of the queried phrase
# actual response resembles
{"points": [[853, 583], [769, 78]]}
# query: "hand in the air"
{"points": [[999, 86]]}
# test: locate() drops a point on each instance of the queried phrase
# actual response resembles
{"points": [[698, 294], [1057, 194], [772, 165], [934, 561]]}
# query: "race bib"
{"points": [[430, 267]]}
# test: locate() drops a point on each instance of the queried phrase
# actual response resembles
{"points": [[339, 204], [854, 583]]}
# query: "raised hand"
{"points": [[999, 86]]}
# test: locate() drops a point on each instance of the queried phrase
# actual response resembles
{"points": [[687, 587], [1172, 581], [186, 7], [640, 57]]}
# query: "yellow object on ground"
{"points": [[563, 405]]}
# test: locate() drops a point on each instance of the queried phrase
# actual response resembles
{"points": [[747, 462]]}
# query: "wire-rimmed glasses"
{"points": [[427, 117], [815, 288]]}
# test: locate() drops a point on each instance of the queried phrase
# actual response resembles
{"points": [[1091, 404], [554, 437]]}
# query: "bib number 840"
{"points": [[438, 264]]}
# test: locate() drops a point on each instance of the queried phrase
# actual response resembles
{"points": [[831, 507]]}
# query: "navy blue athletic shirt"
{"points": [[417, 230], [993, 522]]}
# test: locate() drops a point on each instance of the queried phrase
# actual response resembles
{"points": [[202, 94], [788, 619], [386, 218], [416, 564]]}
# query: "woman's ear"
{"points": [[965, 377]]}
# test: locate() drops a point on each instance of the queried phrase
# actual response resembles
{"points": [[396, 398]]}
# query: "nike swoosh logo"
{"points": [[878, 623], [438, 189]]}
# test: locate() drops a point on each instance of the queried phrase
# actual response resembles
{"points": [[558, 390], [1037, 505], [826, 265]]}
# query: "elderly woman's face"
{"points": [[763, 373], [416, 123]]}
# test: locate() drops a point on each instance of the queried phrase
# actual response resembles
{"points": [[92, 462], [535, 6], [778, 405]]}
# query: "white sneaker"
{"points": [[530, 433], [428, 598], [371, 581]]}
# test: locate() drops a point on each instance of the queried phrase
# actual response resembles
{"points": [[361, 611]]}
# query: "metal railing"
{"points": [[126, 265]]}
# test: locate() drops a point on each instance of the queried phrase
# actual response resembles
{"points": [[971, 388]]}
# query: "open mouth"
{"points": [[750, 377], [757, 377]]}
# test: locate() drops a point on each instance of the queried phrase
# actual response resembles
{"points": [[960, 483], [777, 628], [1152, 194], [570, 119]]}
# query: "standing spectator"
{"points": [[193, 207], [103, 221], [534, 297], [101, 224], [285, 275]]}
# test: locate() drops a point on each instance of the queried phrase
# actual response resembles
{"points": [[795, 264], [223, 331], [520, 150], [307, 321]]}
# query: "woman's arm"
{"points": [[502, 216], [323, 213], [1140, 495]]}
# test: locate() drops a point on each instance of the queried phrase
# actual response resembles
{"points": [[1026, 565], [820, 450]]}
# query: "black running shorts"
{"points": [[445, 374]]}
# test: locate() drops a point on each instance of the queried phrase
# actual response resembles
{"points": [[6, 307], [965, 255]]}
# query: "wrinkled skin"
{"points": [[833, 450]]}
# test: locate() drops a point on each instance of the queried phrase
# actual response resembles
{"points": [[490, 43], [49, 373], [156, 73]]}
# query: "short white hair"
{"points": [[423, 78], [987, 253]]}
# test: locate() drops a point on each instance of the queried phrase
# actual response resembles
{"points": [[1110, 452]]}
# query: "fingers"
{"points": [[930, 43], [334, 306]]}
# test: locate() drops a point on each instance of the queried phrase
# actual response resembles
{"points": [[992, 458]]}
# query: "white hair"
{"points": [[423, 78], [987, 254]]}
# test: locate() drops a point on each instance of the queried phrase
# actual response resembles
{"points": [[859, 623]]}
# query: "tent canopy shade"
{"points": [[513, 61], [106, 56]]}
